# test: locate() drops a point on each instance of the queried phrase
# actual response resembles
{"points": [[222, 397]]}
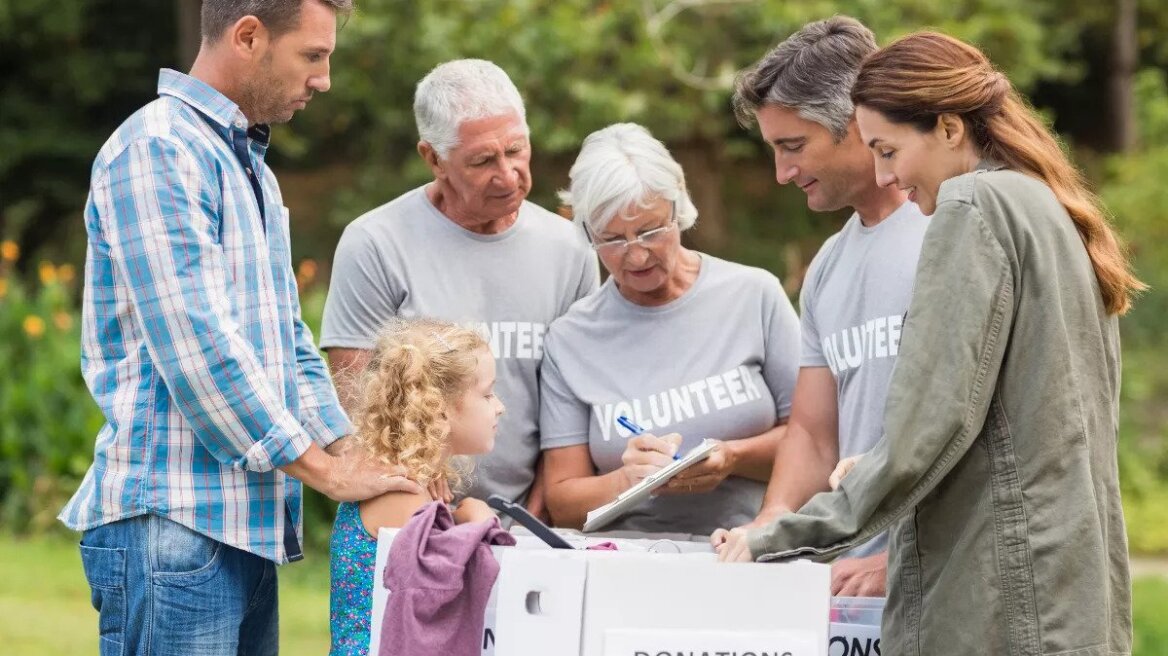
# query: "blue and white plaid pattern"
{"points": [[192, 341]]}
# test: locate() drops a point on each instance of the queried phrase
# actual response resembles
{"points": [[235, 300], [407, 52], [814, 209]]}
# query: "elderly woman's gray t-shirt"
{"points": [[720, 362], [406, 259]]}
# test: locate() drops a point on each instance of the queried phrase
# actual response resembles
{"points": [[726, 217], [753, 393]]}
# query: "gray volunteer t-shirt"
{"points": [[720, 362], [407, 259], [853, 302]]}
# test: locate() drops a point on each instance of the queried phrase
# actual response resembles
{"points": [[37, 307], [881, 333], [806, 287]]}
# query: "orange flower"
{"points": [[34, 326], [307, 270], [305, 273], [66, 272], [48, 273], [9, 251], [62, 321]]}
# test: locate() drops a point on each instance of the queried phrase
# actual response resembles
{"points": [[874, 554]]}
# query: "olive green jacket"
{"points": [[996, 476]]}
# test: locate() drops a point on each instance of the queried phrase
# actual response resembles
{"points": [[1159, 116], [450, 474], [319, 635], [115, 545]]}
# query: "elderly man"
{"points": [[859, 284], [466, 247], [214, 397]]}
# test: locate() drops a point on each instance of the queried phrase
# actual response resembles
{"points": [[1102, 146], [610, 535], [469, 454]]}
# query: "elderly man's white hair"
{"points": [[620, 167], [459, 91]]}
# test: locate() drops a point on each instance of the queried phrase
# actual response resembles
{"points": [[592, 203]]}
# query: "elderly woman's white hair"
{"points": [[459, 91], [620, 167]]}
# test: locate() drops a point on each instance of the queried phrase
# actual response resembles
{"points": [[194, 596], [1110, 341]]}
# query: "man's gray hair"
{"points": [[459, 91], [812, 73], [623, 166]]}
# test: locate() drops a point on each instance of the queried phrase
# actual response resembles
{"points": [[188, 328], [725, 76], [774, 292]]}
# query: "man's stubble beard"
{"points": [[262, 96]]}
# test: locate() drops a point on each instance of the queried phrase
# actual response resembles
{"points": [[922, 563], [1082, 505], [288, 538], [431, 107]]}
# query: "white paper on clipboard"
{"points": [[635, 495]]}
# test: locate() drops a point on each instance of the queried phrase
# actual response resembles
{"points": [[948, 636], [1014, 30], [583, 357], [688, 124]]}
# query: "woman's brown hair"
{"points": [[921, 76]]}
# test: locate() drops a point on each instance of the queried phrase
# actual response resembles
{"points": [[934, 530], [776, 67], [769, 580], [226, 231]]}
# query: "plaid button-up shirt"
{"points": [[192, 340]]}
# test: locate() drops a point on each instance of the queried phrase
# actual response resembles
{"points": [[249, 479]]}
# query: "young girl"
{"points": [[428, 395]]}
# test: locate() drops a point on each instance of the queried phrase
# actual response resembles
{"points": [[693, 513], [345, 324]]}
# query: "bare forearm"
{"points": [[569, 501], [348, 390], [348, 478], [537, 495], [754, 457], [340, 448], [801, 469], [314, 468], [347, 367]]}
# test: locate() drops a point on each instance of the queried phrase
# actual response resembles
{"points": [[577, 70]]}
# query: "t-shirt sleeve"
{"points": [[361, 295], [812, 351], [563, 418], [781, 367]]}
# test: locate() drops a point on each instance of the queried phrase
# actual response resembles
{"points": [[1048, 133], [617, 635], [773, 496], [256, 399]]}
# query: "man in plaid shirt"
{"points": [[217, 404]]}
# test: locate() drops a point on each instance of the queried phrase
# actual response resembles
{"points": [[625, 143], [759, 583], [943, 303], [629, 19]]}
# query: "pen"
{"points": [[637, 430]]}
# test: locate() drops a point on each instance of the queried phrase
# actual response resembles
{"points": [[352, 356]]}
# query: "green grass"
{"points": [[1150, 616], [45, 610], [44, 603]]}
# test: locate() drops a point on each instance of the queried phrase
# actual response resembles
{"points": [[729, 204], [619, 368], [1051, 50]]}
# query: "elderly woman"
{"points": [[685, 345]]}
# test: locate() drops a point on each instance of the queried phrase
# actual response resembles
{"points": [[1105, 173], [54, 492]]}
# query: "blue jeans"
{"points": [[161, 588]]}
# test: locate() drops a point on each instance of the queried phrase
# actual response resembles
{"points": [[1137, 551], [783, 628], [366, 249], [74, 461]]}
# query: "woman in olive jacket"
{"points": [[997, 472]]}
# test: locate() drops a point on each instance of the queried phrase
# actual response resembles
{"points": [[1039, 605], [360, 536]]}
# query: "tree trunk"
{"points": [[189, 35], [704, 163], [1124, 59]]}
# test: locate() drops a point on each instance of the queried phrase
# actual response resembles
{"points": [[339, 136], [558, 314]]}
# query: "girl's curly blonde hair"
{"points": [[419, 369]]}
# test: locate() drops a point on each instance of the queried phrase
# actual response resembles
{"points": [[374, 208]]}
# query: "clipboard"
{"points": [[637, 494]]}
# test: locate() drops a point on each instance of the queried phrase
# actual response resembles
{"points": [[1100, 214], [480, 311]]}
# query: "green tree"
{"points": [[70, 72], [583, 64]]}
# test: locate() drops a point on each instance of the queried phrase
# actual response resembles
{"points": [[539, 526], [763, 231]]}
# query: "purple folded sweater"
{"points": [[439, 576]]}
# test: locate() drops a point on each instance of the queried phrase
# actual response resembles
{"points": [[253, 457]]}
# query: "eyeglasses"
{"points": [[646, 239]]}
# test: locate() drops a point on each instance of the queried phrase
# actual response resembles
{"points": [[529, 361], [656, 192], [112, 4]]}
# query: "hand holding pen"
{"points": [[645, 453], [637, 430]]}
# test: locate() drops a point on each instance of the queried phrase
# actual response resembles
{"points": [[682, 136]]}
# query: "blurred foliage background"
{"points": [[72, 70]]}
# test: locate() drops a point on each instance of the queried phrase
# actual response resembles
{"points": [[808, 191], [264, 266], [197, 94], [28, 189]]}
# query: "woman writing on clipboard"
{"points": [[682, 344]]}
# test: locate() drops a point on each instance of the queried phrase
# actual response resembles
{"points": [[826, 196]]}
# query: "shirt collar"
{"points": [[986, 164], [209, 102]]}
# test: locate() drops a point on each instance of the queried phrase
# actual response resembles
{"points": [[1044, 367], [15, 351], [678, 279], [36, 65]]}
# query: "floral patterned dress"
{"points": [[352, 557]]}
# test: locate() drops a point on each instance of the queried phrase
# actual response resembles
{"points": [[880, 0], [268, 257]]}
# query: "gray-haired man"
{"points": [[857, 288], [466, 247]]}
